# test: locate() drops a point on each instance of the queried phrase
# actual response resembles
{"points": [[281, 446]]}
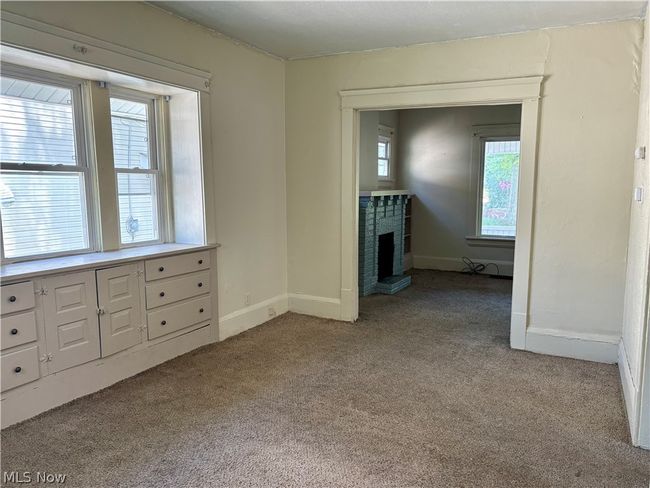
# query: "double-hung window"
{"points": [[384, 153], [135, 157], [498, 184], [383, 157], [44, 178], [61, 192]]}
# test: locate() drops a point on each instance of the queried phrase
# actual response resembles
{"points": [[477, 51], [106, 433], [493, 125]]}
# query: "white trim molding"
{"points": [[457, 264], [327, 308], [39, 37], [524, 91], [630, 392], [241, 320], [601, 348]]}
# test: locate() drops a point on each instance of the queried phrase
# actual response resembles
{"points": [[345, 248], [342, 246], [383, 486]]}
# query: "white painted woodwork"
{"points": [[18, 329], [78, 262], [161, 293], [156, 269], [179, 316], [17, 297], [187, 177], [490, 92], [19, 367], [60, 43], [71, 326], [121, 316], [62, 333]]}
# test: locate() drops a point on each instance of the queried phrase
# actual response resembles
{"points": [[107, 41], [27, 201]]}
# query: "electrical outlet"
{"points": [[271, 312], [639, 152], [247, 298]]}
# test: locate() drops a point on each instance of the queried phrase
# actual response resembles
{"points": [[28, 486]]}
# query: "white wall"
{"points": [[586, 133], [369, 124], [635, 318], [247, 119], [436, 155]]}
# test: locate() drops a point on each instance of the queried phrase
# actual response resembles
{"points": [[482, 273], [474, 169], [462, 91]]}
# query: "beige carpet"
{"points": [[422, 392]]}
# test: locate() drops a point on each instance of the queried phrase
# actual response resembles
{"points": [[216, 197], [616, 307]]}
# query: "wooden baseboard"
{"points": [[589, 347], [236, 322]]}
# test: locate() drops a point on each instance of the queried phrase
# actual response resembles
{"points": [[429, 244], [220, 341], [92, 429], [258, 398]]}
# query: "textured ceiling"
{"points": [[303, 29]]}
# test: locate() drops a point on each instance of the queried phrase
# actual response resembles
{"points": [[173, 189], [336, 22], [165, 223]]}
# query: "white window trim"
{"points": [[81, 153], [388, 134], [481, 134], [156, 162]]}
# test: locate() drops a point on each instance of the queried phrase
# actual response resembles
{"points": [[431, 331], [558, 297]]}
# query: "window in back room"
{"points": [[385, 153], [498, 186]]}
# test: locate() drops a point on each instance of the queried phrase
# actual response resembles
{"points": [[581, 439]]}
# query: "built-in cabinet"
{"points": [[70, 314], [121, 315], [55, 322], [19, 360]]}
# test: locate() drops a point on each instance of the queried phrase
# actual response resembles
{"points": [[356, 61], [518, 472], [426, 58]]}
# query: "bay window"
{"points": [[51, 173]]}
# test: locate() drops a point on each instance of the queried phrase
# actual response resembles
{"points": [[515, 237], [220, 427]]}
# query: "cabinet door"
{"points": [[71, 328], [121, 317]]}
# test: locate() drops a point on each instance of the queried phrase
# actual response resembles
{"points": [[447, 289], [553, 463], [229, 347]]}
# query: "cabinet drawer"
{"points": [[169, 291], [176, 317], [17, 297], [156, 269], [18, 329], [19, 368]]}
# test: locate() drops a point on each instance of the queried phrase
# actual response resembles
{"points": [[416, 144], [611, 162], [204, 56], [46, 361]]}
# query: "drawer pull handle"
{"points": [[164, 322], [161, 269], [162, 293], [200, 261], [12, 298], [17, 369], [14, 331], [200, 284]]}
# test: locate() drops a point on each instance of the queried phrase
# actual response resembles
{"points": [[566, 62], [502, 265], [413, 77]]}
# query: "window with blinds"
{"points": [[136, 168], [43, 175]]}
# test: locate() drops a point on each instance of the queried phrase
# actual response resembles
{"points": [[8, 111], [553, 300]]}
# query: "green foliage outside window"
{"points": [[501, 173]]}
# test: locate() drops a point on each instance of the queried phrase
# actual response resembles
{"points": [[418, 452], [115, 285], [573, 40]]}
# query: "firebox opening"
{"points": [[385, 255]]}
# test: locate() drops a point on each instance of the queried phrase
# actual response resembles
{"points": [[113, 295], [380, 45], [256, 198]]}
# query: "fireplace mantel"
{"points": [[382, 193]]}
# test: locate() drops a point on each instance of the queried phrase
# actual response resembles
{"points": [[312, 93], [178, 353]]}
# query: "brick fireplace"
{"points": [[381, 242]]}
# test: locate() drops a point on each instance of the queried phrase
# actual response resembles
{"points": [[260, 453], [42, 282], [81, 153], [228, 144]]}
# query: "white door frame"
{"points": [[524, 91]]}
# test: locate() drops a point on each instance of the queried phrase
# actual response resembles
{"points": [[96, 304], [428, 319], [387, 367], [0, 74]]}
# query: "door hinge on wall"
{"points": [[101, 311]]}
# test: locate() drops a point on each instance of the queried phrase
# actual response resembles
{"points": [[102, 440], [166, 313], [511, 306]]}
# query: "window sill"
{"points": [[42, 267], [507, 242]]}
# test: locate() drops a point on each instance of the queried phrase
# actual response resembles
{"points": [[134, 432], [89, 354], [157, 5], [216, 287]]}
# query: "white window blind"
{"points": [[136, 169], [43, 202]]}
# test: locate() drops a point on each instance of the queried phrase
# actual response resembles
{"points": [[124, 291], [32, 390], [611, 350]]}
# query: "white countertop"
{"points": [[382, 193], [41, 267]]}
